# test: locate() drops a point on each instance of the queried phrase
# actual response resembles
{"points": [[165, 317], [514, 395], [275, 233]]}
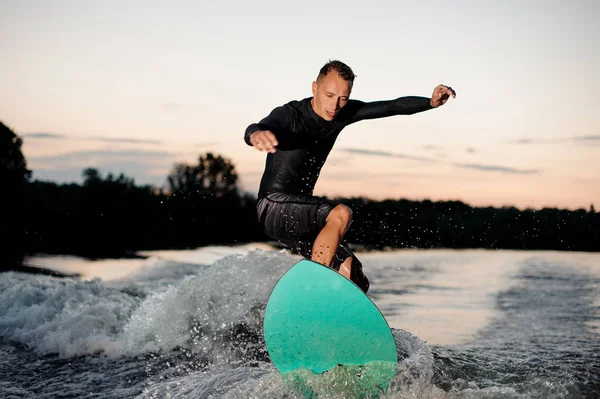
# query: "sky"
{"points": [[135, 87]]}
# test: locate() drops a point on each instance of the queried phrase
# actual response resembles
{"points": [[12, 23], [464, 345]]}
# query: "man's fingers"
{"points": [[262, 146], [266, 146], [267, 141], [264, 141], [449, 90], [270, 138], [441, 89]]}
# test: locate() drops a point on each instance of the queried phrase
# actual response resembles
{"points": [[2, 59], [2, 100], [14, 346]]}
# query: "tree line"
{"points": [[111, 216]]}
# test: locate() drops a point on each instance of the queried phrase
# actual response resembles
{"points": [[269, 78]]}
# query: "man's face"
{"points": [[330, 94]]}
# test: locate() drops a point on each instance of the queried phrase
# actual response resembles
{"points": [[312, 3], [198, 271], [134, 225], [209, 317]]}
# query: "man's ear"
{"points": [[314, 88]]}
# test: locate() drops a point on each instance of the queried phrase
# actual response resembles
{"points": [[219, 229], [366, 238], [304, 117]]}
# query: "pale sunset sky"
{"points": [[134, 87]]}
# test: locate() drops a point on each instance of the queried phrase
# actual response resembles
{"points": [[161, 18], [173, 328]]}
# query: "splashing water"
{"points": [[190, 329]]}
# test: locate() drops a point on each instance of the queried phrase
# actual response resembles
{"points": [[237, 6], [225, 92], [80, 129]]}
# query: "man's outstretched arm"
{"points": [[401, 106]]}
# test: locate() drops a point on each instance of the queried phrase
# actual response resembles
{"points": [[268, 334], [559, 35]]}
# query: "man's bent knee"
{"points": [[340, 215]]}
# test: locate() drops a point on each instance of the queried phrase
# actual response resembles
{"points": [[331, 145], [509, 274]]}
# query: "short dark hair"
{"points": [[342, 69]]}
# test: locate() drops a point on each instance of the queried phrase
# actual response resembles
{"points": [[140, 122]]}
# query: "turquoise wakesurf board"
{"points": [[322, 333]]}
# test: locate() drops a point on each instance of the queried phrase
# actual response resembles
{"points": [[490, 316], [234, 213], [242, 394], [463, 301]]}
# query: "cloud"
{"points": [[432, 147], [440, 150], [483, 168], [146, 167], [91, 138], [387, 154], [45, 135], [521, 141], [102, 139], [107, 155], [576, 139], [341, 175], [125, 140], [593, 138], [171, 106], [530, 141], [499, 169]]}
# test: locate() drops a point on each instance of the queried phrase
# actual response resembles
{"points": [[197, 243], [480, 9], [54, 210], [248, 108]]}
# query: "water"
{"points": [[188, 324]]}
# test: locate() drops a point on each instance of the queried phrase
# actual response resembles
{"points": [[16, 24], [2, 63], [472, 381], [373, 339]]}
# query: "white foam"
{"points": [[205, 255], [65, 316], [207, 306], [166, 305]]}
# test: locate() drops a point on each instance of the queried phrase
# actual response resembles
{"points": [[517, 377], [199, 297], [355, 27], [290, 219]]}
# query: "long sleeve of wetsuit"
{"points": [[409, 105], [277, 121]]}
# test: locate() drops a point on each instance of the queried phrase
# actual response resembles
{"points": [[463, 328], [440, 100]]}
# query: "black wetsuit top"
{"points": [[305, 139]]}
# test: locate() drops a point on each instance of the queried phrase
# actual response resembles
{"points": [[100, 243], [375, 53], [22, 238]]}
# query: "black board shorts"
{"points": [[295, 220]]}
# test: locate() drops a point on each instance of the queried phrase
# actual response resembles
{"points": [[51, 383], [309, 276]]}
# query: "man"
{"points": [[298, 137]]}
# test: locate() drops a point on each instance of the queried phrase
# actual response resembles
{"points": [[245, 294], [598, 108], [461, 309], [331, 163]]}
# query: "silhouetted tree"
{"points": [[14, 175], [204, 202], [91, 177], [102, 217], [211, 177], [116, 213], [111, 216], [13, 166]]}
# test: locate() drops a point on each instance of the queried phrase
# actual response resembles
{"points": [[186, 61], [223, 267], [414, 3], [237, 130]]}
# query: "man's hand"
{"points": [[441, 94], [263, 140]]}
